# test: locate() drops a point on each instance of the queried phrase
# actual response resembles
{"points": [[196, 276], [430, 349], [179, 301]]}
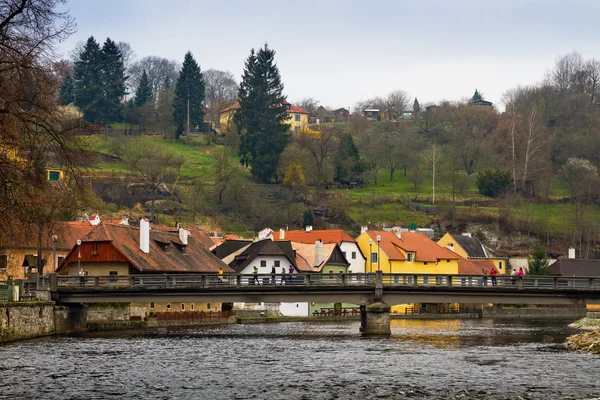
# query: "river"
{"points": [[442, 359]]}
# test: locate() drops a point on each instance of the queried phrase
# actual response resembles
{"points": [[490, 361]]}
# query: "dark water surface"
{"points": [[458, 359]]}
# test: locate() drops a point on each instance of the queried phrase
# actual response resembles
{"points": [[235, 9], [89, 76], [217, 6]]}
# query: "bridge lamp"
{"points": [[78, 256], [378, 252], [370, 255]]}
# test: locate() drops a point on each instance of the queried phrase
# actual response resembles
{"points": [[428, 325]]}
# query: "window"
{"points": [[60, 260], [354, 255], [297, 117], [373, 257], [296, 129], [344, 253], [263, 264], [53, 175], [499, 264], [331, 271], [3, 262], [152, 305], [277, 264], [287, 106], [168, 306], [182, 306], [192, 306], [425, 280], [208, 306], [94, 249], [447, 260], [425, 263], [113, 274], [409, 257]]}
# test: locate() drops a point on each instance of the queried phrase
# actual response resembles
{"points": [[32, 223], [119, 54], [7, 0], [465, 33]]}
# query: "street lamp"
{"points": [[370, 255], [54, 240], [378, 252], [79, 256]]}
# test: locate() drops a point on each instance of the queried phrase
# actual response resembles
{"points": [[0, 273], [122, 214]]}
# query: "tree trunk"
{"points": [[39, 262]]}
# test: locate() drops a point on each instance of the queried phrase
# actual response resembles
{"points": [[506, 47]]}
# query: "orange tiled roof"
{"points": [[424, 248], [293, 108], [473, 267], [307, 252], [326, 235]]}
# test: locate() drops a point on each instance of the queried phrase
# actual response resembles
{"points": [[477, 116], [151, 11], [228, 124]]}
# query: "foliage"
{"points": [[189, 94], [538, 263], [261, 118], [143, 93], [113, 81], [348, 166], [416, 107], [294, 177], [308, 219], [493, 182], [66, 90]]}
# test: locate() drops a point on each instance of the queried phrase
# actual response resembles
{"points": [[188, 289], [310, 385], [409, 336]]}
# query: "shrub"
{"points": [[493, 182]]}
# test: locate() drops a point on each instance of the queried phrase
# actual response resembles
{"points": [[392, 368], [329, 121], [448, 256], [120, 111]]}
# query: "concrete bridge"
{"points": [[375, 292]]}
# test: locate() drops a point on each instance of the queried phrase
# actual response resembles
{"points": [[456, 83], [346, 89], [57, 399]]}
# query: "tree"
{"points": [[261, 118], [320, 145], [416, 107], [433, 161], [89, 80], [538, 263], [294, 177], [161, 72], [476, 96], [493, 182], [416, 177], [113, 81], [309, 104], [66, 90], [221, 90], [188, 111], [348, 166], [308, 219], [143, 92], [127, 55], [396, 103]]}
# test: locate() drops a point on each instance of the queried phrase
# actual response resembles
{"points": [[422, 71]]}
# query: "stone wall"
{"points": [[540, 312], [26, 320], [108, 312]]}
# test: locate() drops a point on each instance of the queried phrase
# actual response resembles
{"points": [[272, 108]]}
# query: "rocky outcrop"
{"points": [[589, 342]]}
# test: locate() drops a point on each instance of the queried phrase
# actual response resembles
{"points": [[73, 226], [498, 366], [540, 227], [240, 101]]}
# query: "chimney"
{"points": [[124, 220], [398, 231], [364, 228], [281, 234], [318, 252], [451, 246], [145, 235], [183, 236], [467, 234], [308, 228], [571, 253]]}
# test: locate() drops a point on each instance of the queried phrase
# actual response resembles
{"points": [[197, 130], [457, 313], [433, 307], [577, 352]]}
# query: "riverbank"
{"points": [[588, 342]]}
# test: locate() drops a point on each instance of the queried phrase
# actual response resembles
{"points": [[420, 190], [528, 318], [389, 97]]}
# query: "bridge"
{"points": [[375, 292]]}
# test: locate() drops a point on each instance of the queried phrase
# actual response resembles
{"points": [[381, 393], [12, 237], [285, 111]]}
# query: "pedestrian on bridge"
{"points": [[255, 279], [520, 272], [283, 277], [493, 273], [273, 275], [220, 274], [484, 271]]}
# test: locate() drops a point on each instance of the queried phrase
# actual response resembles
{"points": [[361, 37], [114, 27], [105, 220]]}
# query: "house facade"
{"points": [[471, 248], [297, 117]]}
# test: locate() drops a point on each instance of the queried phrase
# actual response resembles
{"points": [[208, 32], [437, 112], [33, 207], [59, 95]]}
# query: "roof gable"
{"points": [[424, 248], [472, 246], [325, 235], [266, 247]]}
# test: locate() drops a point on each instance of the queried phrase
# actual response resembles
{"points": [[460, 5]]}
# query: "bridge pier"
{"points": [[375, 320]]}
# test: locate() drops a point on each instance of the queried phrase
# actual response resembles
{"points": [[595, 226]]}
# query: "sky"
{"points": [[340, 52]]}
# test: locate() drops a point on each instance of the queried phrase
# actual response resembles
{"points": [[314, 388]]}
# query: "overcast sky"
{"points": [[340, 52]]}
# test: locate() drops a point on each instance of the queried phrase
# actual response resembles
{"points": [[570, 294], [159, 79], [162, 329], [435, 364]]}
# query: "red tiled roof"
{"points": [[307, 253], [293, 108], [126, 239], [424, 248], [473, 267], [67, 233], [326, 235]]}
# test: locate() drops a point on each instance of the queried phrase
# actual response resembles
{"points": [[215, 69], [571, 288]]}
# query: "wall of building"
{"points": [[294, 309], [14, 269], [270, 260], [357, 265], [96, 269], [297, 125], [144, 309]]}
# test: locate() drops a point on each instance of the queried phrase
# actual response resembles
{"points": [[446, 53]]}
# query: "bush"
{"points": [[493, 182]]}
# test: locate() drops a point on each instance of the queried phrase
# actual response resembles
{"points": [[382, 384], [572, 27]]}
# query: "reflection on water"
{"points": [[423, 359]]}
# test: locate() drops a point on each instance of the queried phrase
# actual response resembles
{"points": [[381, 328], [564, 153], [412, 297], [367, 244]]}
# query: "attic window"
{"points": [[181, 247], [162, 245]]}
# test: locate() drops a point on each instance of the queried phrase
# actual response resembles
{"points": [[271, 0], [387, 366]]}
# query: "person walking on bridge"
{"points": [[255, 279], [220, 274], [283, 277], [273, 275]]}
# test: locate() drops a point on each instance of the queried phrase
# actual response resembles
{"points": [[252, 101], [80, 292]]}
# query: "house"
{"points": [[347, 244], [324, 115], [471, 248], [112, 250], [297, 117], [481, 102], [18, 257], [406, 253], [576, 267], [372, 114], [323, 211], [263, 254]]}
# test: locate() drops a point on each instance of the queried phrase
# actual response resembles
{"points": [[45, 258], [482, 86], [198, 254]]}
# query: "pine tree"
{"points": [[113, 74], [308, 219], [416, 107], [476, 96], [538, 263], [66, 90], [348, 167], [143, 93], [88, 90], [261, 118], [189, 94]]}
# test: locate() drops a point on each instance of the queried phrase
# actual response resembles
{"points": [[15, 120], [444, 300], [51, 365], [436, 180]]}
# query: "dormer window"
{"points": [[163, 245], [410, 257], [287, 106], [181, 247]]}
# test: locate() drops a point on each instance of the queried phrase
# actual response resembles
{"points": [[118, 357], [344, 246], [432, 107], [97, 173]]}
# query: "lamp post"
{"points": [[79, 256], [378, 252], [370, 255], [54, 240]]}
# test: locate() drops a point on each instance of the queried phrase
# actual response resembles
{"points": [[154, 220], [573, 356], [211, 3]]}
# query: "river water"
{"points": [[450, 359]]}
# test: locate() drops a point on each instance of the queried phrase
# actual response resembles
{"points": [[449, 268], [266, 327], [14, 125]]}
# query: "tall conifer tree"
{"points": [[189, 91], [113, 74], [143, 93], [261, 118], [88, 89], [416, 107], [66, 90]]}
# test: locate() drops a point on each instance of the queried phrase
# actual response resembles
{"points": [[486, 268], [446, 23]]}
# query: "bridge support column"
{"points": [[375, 320]]}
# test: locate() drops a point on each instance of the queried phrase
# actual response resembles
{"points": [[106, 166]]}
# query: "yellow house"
{"points": [[297, 117], [471, 248], [406, 253]]}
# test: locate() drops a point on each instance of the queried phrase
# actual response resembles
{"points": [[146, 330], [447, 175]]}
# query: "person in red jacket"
{"points": [[493, 273]]}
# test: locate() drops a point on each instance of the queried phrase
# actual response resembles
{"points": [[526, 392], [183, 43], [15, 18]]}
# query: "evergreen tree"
{"points": [[348, 167], [88, 90], [416, 107], [143, 93], [66, 90], [189, 89], [308, 218], [538, 263], [113, 77], [261, 118], [476, 96]]}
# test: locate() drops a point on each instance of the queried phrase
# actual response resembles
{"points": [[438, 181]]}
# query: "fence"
{"points": [[190, 315], [442, 309]]}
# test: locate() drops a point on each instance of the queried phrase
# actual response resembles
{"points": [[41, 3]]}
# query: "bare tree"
{"points": [[321, 145], [221, 91], [310, 104], [433, 161], [127, 53], [158, 69], [396, 103]]}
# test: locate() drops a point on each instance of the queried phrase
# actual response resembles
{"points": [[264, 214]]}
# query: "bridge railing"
{"points": [[213, 280]]}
